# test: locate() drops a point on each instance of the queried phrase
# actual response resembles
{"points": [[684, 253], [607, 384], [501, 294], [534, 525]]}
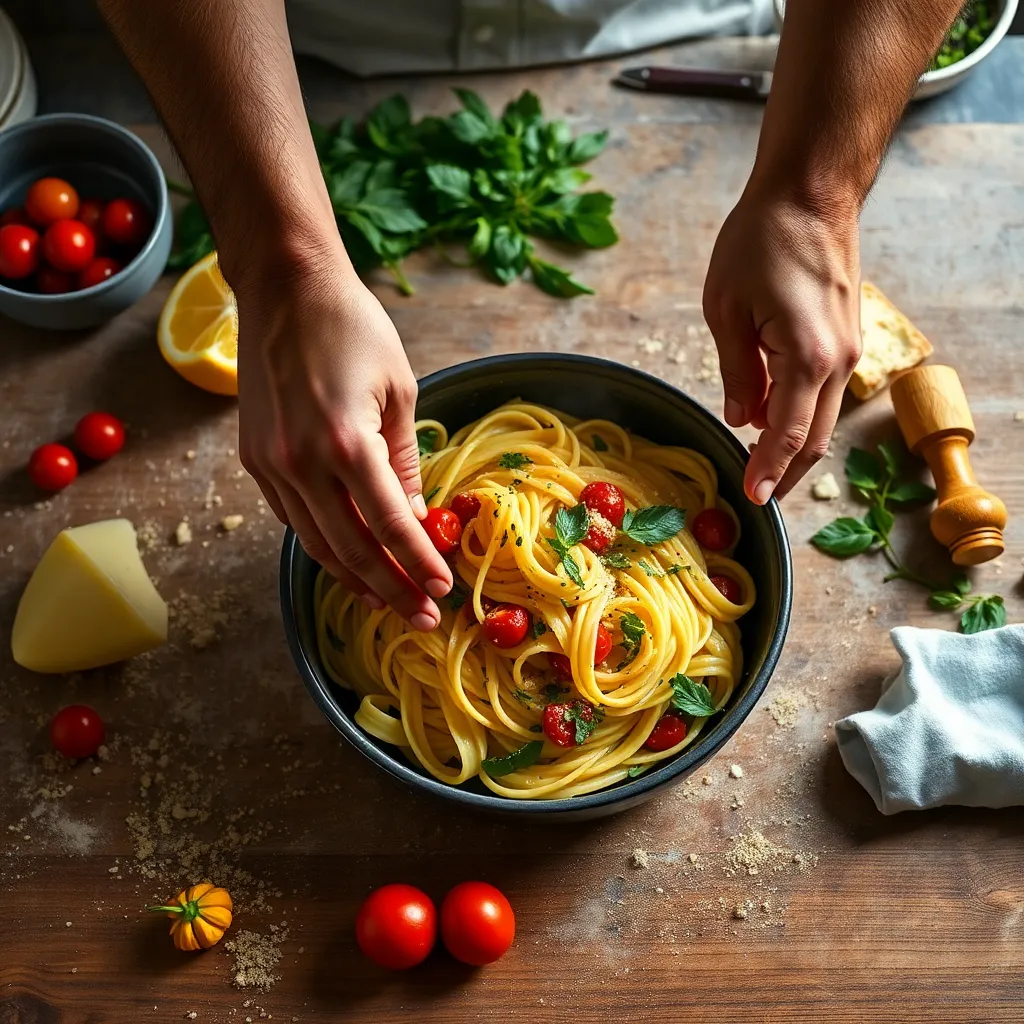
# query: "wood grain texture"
{"points": [[911, 919]]}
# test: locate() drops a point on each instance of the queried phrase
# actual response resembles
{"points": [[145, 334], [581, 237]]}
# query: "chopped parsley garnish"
{"points": [[553, 693], [654, 524], [637, 769], [431, 495], [650, 570], [600, 445], [536, 728], [514, 460], [585, 724], [426, 439], [616, 560], [526, 755], [539, 628], [522, 696], [456, 598]]}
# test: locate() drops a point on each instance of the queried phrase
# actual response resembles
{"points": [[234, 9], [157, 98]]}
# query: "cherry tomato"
{"points": [[98, 271], [54, 282], [99, 435], [52, 467], [600, 533], [714, 529], [50, 200], [477, 923], [669, 731], [605, 498], [19, 251], [444, 530], [76, 731], [465, 506], [560, 721], [126, 222], [397, 926], [507, 625], [15, 215], [561, 666], [69, 245], [603, 645], [730, 589], [90, 213]]}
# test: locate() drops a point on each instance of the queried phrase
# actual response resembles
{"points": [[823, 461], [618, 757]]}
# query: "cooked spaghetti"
{"points": [[506, 689]]}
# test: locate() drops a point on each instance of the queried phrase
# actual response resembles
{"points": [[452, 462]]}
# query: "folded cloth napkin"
{"points": [[949, 726]]}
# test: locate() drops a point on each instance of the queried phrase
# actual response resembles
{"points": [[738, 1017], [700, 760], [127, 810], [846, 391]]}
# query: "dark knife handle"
{"points": [[692, 82]]}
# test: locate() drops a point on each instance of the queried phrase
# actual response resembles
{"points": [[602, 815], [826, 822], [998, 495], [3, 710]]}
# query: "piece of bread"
{"points": [[891, 344]]}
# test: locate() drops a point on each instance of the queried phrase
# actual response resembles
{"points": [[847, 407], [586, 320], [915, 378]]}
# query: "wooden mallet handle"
{"points": [[936, 421]]}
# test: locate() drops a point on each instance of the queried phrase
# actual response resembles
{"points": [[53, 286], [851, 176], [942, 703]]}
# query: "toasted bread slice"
{"points": [[891, 343]]}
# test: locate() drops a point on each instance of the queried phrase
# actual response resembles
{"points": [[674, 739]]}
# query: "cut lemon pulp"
{"points": [[198, 330]]}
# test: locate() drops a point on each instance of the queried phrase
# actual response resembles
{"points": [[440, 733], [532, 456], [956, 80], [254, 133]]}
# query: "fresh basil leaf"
{"points": [[475, 105], [528, 754], [633, 630], [572, 570], [485, 186], [387, 122], [844, 537], [382, 175], [539, 628], [912, 491], [366, 228], [556, 138], [514, 460], [521, 112], [596, 232], [890, 459], [960, 583], [389, 210], [944, 600], [453, 181], [506, 247], [470, 128], [571, 524], [585, 147], [346, 187], [426, 439], [692, 697], [585, 724], [637, 769], [654, 524], [481, 241], [556, 281], [616, 560], [456, 597], [863, 470], [566, 179], [880, 519], [599, 443], [986, 613], [429, 497]]}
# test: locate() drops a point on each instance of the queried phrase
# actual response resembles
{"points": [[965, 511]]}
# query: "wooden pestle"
{"points": [[936, 421]]}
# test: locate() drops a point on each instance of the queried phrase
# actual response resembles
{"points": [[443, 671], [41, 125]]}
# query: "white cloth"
{"points": [[948, 728], [374, 37]]}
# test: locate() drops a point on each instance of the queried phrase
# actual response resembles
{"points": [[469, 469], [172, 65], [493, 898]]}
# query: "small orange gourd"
{"points": [[199, 917]]}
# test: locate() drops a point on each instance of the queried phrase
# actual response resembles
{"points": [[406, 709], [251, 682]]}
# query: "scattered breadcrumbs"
{"points": [[639, 859], [182, 534], [201, 619], [255, 957], [740, 913], [786, 707], [232, 522], [149, 535], [753, 853], [736, 771], [825, 488]]}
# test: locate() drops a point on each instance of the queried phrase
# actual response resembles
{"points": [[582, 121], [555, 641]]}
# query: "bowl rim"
{"points": [[110, 128], [628, 792]]}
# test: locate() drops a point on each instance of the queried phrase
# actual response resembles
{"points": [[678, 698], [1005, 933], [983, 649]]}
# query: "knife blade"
{"points": [[750, 85]]}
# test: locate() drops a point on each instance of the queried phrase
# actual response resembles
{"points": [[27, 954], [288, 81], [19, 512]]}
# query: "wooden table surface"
{"points": [[220, 764]]}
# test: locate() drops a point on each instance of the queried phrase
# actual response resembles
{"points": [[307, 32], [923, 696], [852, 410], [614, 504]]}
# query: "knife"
{"points": [[748, 85]]}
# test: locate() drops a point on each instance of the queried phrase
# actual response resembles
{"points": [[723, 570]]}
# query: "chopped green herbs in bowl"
{"points": [[968, 32]]}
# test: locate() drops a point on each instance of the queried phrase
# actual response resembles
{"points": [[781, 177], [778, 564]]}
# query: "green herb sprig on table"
{"points": [[877, 480], [492, 183]]}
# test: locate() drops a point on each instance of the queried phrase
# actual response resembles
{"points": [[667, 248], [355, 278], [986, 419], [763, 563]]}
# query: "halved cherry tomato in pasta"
{"points": [[603, 645], [466, 506], [477, 923], [444, 530], [397, 926], [561, 666], [714, 529], [729, 588], [506, 625], [600, 534], [570, 723], [605, 499], [670, 731]]}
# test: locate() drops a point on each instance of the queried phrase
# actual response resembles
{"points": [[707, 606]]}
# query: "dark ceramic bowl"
{"points": [[585, 387]]}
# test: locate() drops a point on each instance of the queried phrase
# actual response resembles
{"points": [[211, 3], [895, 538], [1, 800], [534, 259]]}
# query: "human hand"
{"points": [[782, 300], [326, 403]]}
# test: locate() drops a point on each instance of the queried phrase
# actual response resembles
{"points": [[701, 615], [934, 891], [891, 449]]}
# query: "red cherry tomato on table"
{"points": [[69, 245], [54, 282], [669, 731], [600, 533], [560, 721], [729, 588], [90, 213], [477, 923], [714, 529], [99, 435], [19, 251], [444, 530], [397, 926], [605, 498], [506, 625], [52, 467], [50, 200], [466, 506], [15, 215], [76, 731], [98, 271], [126, 222]]}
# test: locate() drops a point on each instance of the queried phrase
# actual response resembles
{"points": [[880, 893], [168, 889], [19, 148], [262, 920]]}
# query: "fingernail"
{"points": [[372, 601], [733, 413], [437, 588], [423, 622], [763, 491], [419, 506]]}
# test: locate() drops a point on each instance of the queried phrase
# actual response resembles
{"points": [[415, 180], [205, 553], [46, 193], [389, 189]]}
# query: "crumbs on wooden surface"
{"points": [[825, 488], [183, 534], [639, 859], [202, 619], [255, 957], [232, 522], [786, 706]]}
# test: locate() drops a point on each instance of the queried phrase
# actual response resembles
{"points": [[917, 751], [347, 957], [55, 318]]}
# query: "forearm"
{"points": [[844, 73], [223, 79]]}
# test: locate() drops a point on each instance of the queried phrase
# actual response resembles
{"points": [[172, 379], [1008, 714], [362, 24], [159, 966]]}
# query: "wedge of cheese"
{"points": [[891, 343], [90, 602]]}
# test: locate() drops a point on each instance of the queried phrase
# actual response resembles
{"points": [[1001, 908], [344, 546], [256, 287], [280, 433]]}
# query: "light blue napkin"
{"points": [[949, 726]]}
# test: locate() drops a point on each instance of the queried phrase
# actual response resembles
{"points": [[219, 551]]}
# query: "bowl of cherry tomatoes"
{"points": [[85, 227]]}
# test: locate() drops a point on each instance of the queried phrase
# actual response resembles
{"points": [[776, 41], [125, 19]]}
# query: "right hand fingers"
{"points": [[740, 359]]}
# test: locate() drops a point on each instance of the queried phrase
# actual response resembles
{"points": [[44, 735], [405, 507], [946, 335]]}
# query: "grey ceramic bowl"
{"points": [[585, 387], [100, 159]]}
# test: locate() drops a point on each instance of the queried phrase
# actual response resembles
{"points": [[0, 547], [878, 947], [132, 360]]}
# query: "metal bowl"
{"points": [[587, 387], [932, 83], [100, 159]]}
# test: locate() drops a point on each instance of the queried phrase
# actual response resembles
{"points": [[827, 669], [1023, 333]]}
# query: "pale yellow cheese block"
{"points": [[90, 602], [891, 343]]}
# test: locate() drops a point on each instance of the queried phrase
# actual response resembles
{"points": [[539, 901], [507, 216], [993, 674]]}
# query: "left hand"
{"points": [[782, 300]]}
